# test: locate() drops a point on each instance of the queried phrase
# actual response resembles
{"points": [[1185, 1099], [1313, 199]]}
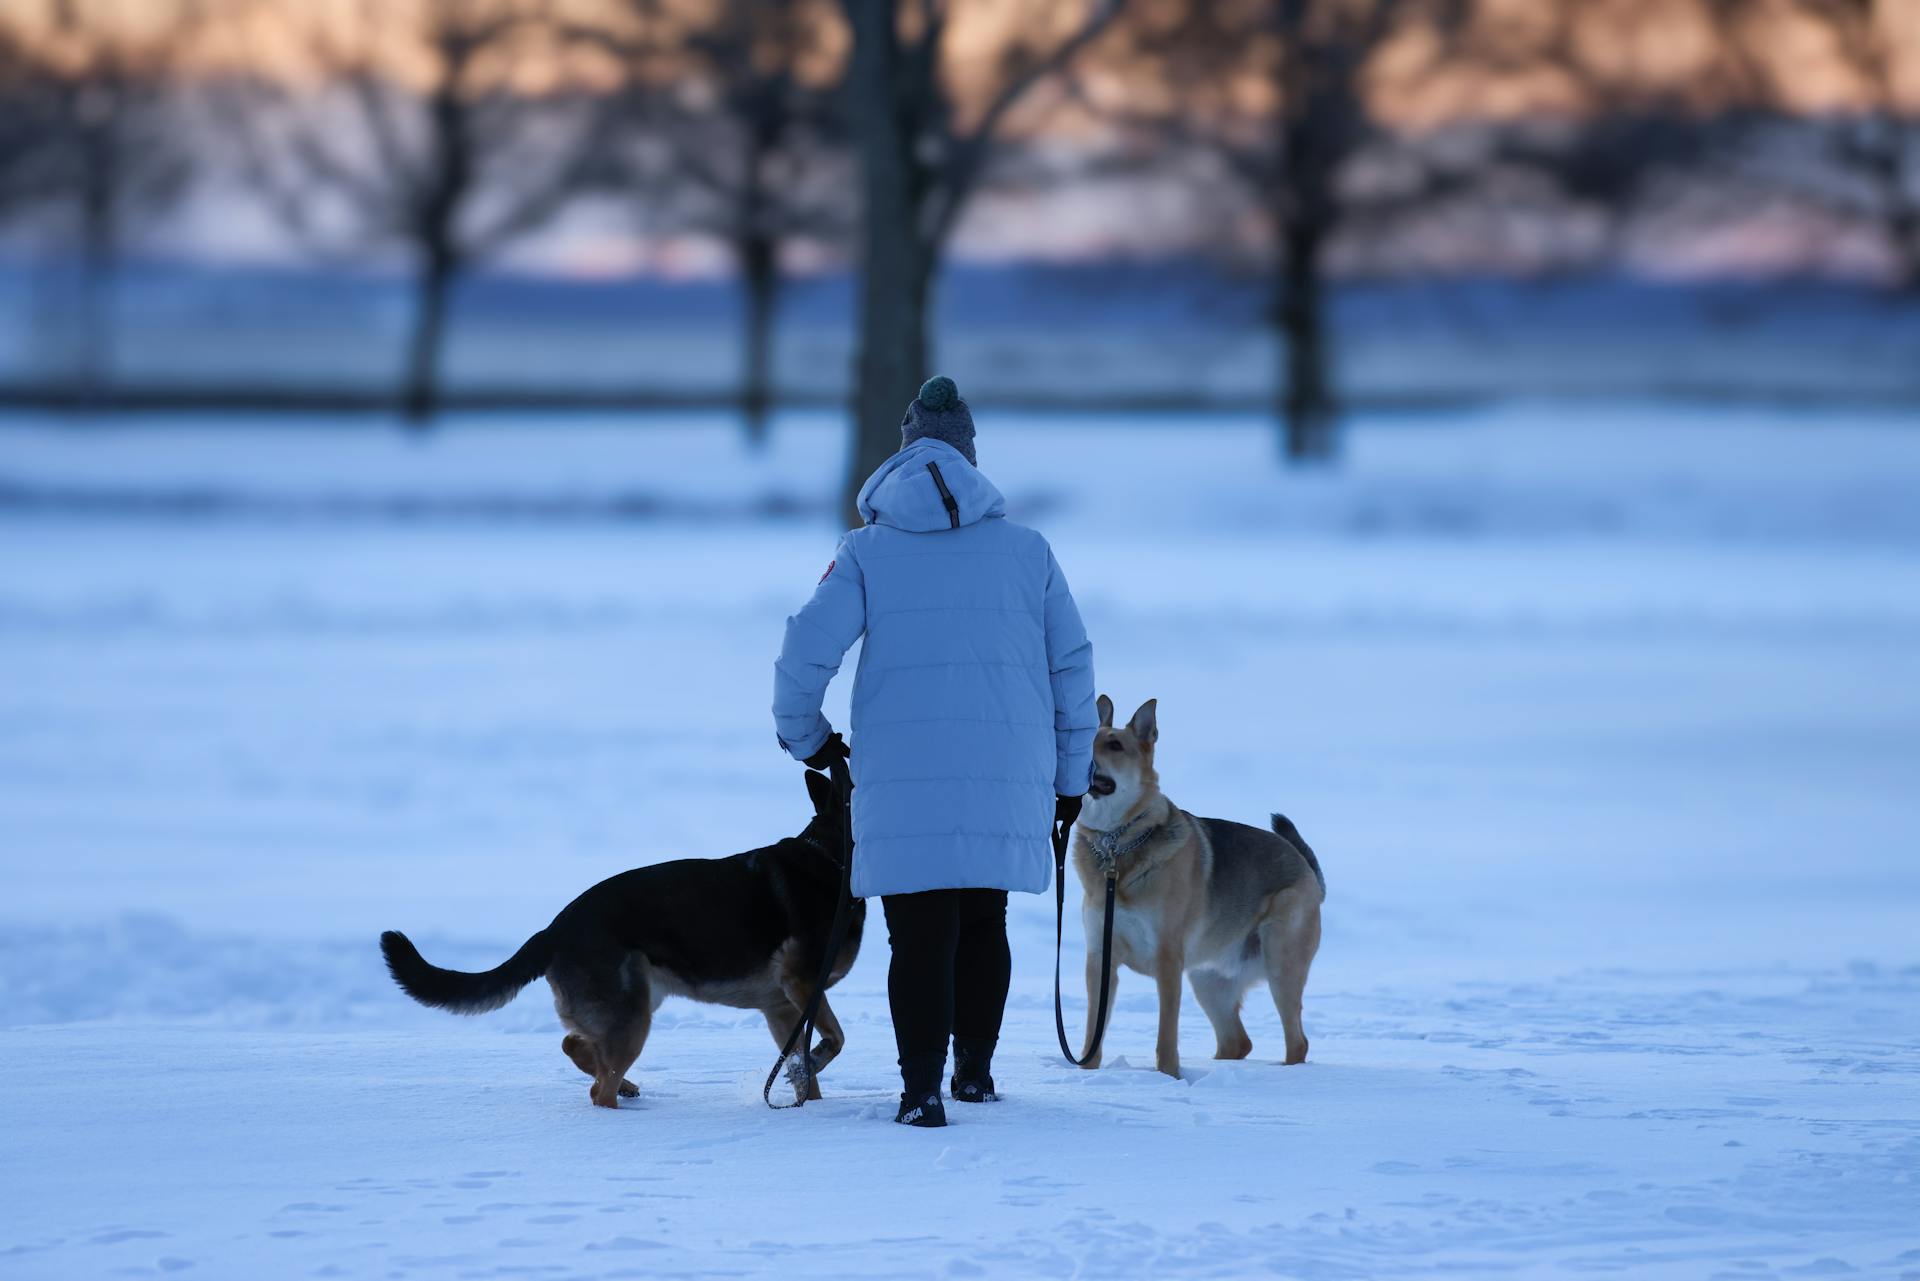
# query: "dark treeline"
{"points": [[1316, 136]]}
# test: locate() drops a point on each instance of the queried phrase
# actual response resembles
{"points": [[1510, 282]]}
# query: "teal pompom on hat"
{"points": [[939, 394], [938, 413]]}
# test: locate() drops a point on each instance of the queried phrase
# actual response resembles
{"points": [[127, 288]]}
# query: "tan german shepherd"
{"points": [[1226, 903]]}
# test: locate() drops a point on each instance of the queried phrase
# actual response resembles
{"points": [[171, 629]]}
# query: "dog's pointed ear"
{"points": [[1145, 723], [1105, 705], [820, 788]]}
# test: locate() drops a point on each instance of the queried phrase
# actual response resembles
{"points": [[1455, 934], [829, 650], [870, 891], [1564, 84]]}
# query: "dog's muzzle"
{"points": [[1101, 785]]}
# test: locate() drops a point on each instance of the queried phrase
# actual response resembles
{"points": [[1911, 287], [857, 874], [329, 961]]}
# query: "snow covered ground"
{"points": [[1604, 722]]}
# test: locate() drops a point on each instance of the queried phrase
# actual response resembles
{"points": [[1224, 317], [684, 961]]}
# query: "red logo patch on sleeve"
{"points": [[829, 573]]}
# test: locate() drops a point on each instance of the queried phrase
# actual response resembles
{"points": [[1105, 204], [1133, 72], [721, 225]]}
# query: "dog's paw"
{"points": [[794, 1072], [628, 1090], [1234, 1049]]}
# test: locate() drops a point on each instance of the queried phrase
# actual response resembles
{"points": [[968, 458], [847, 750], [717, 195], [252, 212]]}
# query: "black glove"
{"points": [[1066, 809], [834, 749]]}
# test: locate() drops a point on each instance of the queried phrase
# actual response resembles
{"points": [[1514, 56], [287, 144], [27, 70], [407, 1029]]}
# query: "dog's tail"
{"points": [[1283, 827], [457, 990]]}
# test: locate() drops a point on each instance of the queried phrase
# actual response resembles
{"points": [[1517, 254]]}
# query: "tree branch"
{"points": [[967, 154]]}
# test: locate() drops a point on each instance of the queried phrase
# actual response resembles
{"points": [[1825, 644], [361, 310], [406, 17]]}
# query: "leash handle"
{"points": [[1060, 839], [802, 1034]]}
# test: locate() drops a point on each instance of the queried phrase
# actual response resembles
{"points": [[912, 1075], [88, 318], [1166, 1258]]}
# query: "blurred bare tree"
{"points": [[1627, 146], [411, 132], [729, 127], [92, 136], [29, 120], [920, 161], [1611, 169], [1276, 90], [1868, 163]]}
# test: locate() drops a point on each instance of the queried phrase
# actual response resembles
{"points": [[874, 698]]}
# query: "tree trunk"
{"points": [[896, 267], [99, 263], [1308, 413], [98, 268], [420, 393], [1906, 247], [893, 364], [760, 286], [434, 223]]}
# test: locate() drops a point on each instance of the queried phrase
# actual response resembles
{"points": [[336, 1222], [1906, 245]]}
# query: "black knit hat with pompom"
{"points": [[939, 414]]}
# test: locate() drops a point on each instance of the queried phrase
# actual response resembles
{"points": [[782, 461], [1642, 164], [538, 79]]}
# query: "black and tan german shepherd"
{"points": [[749, 931]]}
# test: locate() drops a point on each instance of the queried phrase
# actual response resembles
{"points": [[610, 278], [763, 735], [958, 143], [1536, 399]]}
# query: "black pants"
{"points": [[949, 976]]}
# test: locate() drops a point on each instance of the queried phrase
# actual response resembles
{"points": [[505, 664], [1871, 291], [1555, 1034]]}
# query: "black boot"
{"points": [[920, 1103], [929, 1113], [972, 1074]]}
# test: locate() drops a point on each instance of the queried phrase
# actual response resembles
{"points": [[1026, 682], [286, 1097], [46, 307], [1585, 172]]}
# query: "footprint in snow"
{"points": [[625, 1243], [953, 1158]]}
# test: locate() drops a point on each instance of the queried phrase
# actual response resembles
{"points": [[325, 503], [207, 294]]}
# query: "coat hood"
{"points": [[902, 491]]}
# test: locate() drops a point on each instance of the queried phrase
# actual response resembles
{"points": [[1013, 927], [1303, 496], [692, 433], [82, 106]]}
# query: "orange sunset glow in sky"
{"points": [[1676, 51]]}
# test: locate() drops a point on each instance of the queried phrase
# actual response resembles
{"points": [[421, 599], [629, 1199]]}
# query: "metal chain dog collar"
{"points": [[1107, 849]]}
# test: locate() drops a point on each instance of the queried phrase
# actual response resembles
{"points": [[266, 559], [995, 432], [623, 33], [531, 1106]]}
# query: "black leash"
{"points": [[1060, 839], [802, 1034]]}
